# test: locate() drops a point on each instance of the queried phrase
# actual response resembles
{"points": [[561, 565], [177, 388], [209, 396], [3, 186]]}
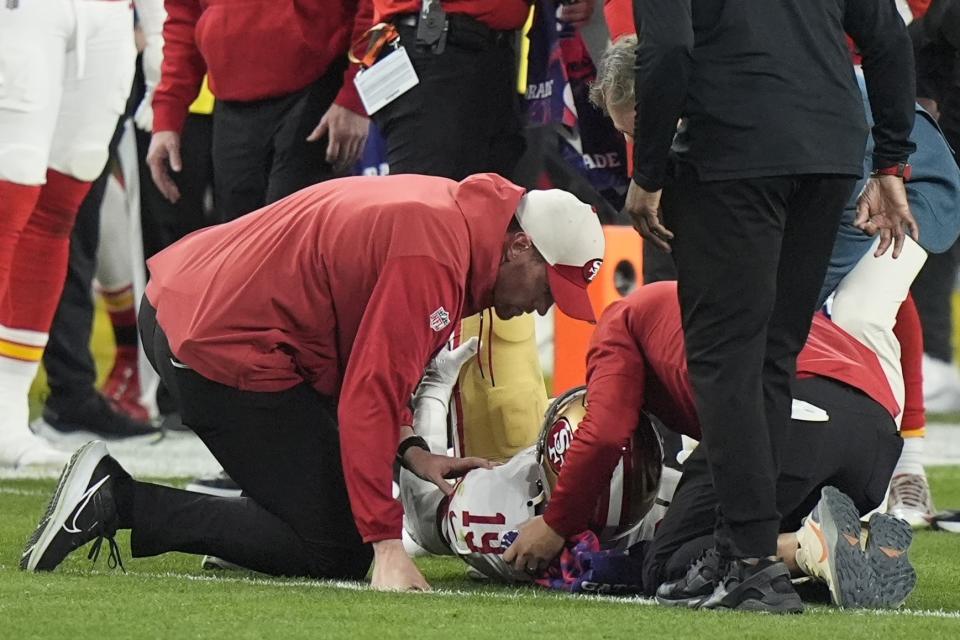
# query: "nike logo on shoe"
{"points": [[86, 500]]}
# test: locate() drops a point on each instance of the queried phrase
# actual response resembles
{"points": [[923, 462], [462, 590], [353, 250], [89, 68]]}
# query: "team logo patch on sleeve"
{"points": [[439, 319]]}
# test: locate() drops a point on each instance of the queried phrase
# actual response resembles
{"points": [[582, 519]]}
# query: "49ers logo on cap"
{"points": [[591, 269]]}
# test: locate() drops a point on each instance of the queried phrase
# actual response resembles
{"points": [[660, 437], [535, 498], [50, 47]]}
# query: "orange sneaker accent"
{"points": [[852, 539]]}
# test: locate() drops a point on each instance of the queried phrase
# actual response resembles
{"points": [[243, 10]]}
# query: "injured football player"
{"points": [[580, 508]]}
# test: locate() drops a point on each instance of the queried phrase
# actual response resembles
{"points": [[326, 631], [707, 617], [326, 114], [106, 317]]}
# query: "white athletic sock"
{"points": [[911, 458], [20, 353]]}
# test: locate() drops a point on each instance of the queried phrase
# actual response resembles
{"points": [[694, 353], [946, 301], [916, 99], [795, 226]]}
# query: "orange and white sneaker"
{"points": [[830, 550], [887, 552]]}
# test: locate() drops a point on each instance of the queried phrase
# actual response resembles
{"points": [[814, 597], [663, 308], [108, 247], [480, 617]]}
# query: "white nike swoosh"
{"points": [[86, 500]]}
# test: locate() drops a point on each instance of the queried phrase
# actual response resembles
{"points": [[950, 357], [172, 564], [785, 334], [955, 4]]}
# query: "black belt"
{"points": [[462, 30]]}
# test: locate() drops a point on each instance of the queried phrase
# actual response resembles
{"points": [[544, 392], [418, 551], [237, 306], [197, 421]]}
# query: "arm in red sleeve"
{"points": [[390, 352], [348, 96], [910, 334], [181, 72], [616, 375]]}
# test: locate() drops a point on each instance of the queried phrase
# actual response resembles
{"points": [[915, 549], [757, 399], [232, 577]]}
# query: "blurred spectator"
{"points": [[279, 72]]}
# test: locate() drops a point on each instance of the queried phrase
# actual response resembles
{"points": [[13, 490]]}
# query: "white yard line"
{"points": [[519, 594]]}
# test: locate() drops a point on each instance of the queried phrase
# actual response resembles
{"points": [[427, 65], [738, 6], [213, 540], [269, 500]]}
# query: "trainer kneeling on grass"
{"points": [[293, 338]]}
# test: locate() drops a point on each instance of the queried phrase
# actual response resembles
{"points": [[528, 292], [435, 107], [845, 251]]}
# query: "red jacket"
{"points": [[637, 361], [350, 285], [504, 15], [253, 49]]}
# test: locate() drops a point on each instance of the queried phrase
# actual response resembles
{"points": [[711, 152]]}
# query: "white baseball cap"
{"points": [[568, 235]]}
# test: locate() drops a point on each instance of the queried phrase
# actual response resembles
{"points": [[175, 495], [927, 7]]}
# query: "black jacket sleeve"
{"points": [[888, 68], [664, 59]]}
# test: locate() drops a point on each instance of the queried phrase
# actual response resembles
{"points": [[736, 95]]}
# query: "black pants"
{"points": [[855, 451], [283, 450], [751, 257], [260, 148], [933, 293], [462, 118], [71, 371], [164, 222]]}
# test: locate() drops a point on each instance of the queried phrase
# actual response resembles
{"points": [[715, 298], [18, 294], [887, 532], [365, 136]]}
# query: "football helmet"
{"points": [[486, 505], [633, 486]]}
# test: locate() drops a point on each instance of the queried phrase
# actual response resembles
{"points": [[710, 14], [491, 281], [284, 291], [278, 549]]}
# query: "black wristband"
{"points": [[412, 441]]}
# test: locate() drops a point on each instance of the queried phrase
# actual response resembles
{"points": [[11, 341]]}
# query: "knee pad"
{"points": [[23, 164], [84, 163]]}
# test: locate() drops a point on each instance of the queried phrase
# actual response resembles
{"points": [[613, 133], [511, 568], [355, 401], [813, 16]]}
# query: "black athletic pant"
{"points": [[260, 148], [164, 222], [855, 451], [71, 371], [464, 115], [933, 293], [751, 257], [282, 449]]}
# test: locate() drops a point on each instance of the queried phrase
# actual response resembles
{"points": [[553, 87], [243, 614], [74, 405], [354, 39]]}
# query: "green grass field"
{"points": [[171, 597]]}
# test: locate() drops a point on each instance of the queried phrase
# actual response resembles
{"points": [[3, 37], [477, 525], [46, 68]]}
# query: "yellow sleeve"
{"points": [[501, 397]]}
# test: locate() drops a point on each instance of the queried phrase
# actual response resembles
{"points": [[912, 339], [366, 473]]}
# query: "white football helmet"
{"points": [[633, 486], [488, 503]]}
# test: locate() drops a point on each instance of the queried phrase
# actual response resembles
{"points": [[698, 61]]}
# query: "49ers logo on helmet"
{"points": [[558, 443], [591, 269]]}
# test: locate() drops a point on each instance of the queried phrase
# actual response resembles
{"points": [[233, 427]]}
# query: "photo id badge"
{"points": [[386, 81]]}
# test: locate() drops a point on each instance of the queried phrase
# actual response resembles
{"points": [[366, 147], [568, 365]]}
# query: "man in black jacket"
{"points": [[767, 153]]}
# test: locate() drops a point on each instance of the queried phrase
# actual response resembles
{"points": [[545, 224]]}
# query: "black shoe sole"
{"points": [[71, 486], [853, 585], [895, 575]]}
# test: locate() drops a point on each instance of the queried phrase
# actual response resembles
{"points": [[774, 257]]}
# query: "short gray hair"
{"points": [[614, 83]]}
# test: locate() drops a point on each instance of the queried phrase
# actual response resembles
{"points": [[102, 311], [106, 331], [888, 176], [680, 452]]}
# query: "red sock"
{"points": [[40, 261], [16, 204], [120, 306], [910, 334]]}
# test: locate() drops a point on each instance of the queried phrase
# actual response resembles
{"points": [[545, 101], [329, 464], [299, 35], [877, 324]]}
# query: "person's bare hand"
{"points": [[576, 13], [164, 151], [535, 547], [393, 570], [882, 208], [346, 133], [437, 469], [643, 207]]}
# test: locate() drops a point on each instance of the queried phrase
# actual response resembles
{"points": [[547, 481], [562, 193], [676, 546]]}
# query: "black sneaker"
{"points": [[887, 547], [696, 586], [94, 416], [763, 587], [220, 485], [83, 508], [946, 521]]}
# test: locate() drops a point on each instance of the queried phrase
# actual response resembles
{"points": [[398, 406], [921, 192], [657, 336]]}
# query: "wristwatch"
{"points": [[900, 170]]}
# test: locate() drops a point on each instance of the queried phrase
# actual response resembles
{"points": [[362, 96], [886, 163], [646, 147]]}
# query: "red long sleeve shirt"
{"points": [[350, 285], [254, 49], [637, 361], [503, 15]]}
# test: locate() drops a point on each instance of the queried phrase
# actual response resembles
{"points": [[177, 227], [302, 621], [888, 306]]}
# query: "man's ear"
{"points": [[516, 244]]}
